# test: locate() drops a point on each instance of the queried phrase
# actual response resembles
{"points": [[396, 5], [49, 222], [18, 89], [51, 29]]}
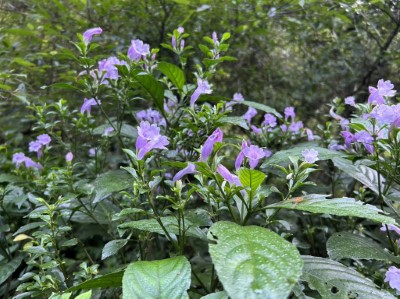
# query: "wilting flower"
{"points": [[385, 89], [289, 112], [190, 169], [310, 155], [137, 50], [69, 156], [149, 138], [269, 120], [251, 112], [88, 34], [202, 88], [350, 101], [228, 176], [208, 146], [18, 159], [253, 154], [87, 105], [393, 278]]}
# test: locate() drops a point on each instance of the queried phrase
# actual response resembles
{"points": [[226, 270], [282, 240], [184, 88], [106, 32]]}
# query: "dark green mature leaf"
{"points": [[261, 107], [168, 278], [347, 245], [318, 203], [282, 157], [9, 178], [110, 182], [234, 120], [173, 73], [111, 280], [218, 295], [153, 88], [251, 178], [170, 223], [7, 268], [112, 248], [253, 262], [336, 281]]}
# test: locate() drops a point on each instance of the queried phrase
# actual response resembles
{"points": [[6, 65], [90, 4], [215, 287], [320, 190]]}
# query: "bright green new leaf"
{"points": [[164, 279], [218, 295], [86, 295], [173, 73], [336, 281], [318, 203], [253, 262], [347, 245], [251, 178], [261, 107]]}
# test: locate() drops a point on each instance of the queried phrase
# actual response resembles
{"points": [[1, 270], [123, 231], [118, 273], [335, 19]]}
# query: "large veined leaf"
{"points": [[111, 280], [235, 120], [110, 182], [318, 203], [251, 178], [365, 175], [152, 88], [336, 281], [347, 245], [169, 222], [283, 156], [253, 262], [261, 107], [168, 278], [7, 268], [173, 73]]}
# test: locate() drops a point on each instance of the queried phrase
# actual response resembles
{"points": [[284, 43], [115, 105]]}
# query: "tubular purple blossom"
{"points": [[149, 138], [29, 163], [251, 112], [269, 120], [18, 159], [88, 34], [384, 89], [87, 105], [253, 153], [240, 156], [137, 50], [392, 276], [228, 176], [202, 88], [289, 112], [190, 169], [208, 146], [44, 139], [350, 101]]}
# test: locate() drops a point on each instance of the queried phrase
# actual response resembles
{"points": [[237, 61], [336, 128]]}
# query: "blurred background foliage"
{"points": [[302, 53]]}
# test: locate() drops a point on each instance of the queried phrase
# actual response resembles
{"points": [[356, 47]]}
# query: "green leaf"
{"points": [[86, 295], [261, 107], [168, 278], [251, 178], [22, 62], [173, 73], [218, 295], [282, 157], [9, 178], [8, 268], [63, 86], [336, 281], [112, 248], [253, 262], [234, 120], [170, 223], [318, 203], [347, 245], [110, 182], [153, 88], [111, 280], [366, 175]]}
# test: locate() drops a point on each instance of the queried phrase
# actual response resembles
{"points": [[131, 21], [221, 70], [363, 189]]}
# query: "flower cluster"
{"points": [[40, 142], [152, 116], [149, 138]]}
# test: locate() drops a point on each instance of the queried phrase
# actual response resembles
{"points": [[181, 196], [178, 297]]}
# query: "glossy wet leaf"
{"points": [[253, 262]]}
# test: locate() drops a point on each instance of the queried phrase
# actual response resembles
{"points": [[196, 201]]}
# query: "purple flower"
{"points": [[108, 70], [237, 98], [267, 153], [152, 116], [190, 169], [366, 139], [350, 101], [92, 152], [202, 88], [35, 146], [87, 105], [253, 153], [170, 105], [29, 163], [107, 131], [289, 112], [240, 156], [393, 278], [296, 126], [18, 158], [69, 156], [385, 114], [88, 34], [214, 37], [284, 128], [334, 115], [336, 147], [208, 146], [228, 176], [310, 135], [44, 139], [269, 120], [310, 155], [256, 130], [137, 50], [149, 138], [390, 227], [251, 112], [180, 29], [348, 138], [173, 42], [385, 89]]}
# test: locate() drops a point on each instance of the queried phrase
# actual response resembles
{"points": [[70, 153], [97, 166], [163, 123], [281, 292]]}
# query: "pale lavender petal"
{"points": [[18, 158], [44, 139], [29, 163], [228, 176], [208, 146], [88, 34], [69, 156], [310, 155], [190, 169]]}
